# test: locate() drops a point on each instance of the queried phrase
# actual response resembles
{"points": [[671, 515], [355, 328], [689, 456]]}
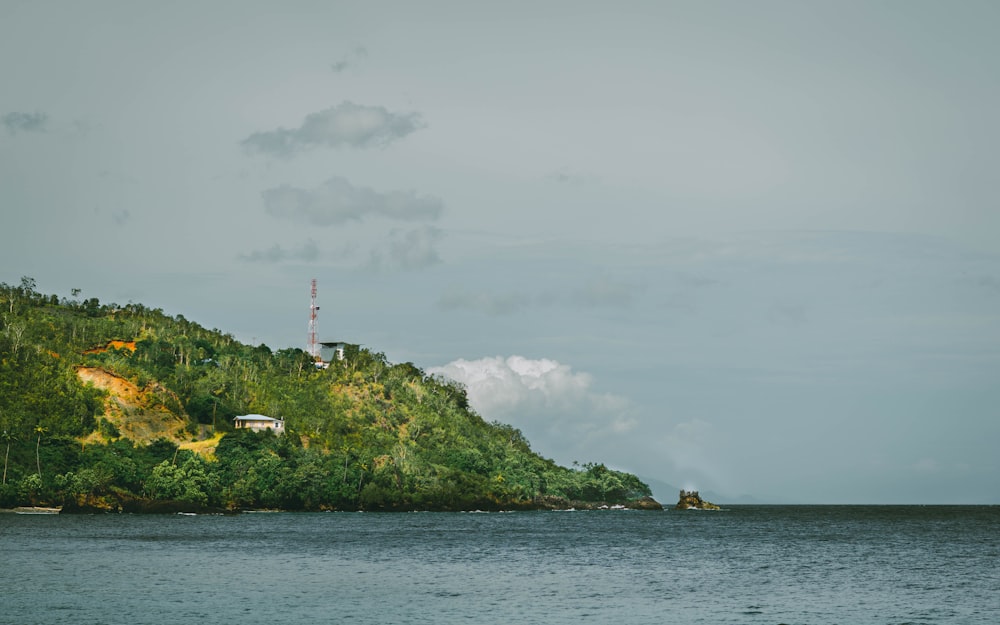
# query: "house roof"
{"points": [[254, 417]]}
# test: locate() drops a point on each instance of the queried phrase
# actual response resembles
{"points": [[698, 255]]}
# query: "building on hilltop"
{"points": [[259, 423], [330, 350], [322, 352]]}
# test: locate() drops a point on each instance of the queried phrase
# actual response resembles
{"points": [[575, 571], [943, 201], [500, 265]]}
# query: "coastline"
{"points": [[31, 510], [136, 506]]}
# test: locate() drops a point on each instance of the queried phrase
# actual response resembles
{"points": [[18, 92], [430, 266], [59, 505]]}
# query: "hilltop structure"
{"points": [[331, 350], [322, 352]]}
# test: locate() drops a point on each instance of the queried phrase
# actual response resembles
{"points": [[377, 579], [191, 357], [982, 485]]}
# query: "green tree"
{"points": [[7, 437], [29, 488], [39, 430], [191, 482]]}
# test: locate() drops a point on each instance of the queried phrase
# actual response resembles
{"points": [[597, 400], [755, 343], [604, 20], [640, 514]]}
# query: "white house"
{"points": [[259, 423]]}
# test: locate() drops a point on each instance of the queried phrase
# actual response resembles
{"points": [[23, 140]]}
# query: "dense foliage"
{"points": [[361, 434]]}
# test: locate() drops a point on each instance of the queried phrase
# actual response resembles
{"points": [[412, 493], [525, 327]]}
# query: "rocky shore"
{"points": [[109, 505], [691, 500]]}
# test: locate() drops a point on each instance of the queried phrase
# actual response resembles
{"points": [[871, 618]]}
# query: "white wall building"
{"points": [[259, 423]]}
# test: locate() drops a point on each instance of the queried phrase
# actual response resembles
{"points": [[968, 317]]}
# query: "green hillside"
{"points": [[107, 406]]}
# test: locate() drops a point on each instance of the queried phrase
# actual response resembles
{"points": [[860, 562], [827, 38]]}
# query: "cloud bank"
{"points": [[338, 201], [345, 125]]}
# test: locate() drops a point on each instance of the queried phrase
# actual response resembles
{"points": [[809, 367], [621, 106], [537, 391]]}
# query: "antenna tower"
{"points": [[313, 346]]}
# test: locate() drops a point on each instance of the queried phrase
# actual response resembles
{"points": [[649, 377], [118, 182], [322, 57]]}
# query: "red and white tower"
{"points": [[313, 344]]}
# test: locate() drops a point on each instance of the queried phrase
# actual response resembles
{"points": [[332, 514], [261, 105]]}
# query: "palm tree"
{"points": [[39, 430], [7, 437]]}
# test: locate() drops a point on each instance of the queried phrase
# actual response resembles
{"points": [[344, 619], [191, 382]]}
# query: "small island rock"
{"points": [[691, 500]]}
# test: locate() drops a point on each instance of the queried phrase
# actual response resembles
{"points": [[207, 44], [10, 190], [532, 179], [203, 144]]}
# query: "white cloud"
{"points": [[338, 201], [345, 125], [556, 407]]}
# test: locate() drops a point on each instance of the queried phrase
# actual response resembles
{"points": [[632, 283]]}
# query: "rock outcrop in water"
{"points": [[691, 500]]}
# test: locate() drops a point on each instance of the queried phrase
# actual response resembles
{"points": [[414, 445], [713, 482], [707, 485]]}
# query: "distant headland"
{"points": [[123, 408]]}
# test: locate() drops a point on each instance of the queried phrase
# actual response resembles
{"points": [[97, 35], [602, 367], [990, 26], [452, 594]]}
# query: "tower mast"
{"points": [[313, 345]]}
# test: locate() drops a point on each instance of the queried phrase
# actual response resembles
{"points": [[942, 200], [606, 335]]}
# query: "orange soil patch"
{"points": [[129, 345], [137, 413]]}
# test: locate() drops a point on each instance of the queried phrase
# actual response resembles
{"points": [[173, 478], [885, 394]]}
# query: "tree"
{"points": [[28, 286], [39, 430], [15, 331], [7, 437], [191, 482], [10, 294]]}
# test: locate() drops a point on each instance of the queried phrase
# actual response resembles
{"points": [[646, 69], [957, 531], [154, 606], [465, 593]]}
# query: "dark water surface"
{"points": [[746, 564]]}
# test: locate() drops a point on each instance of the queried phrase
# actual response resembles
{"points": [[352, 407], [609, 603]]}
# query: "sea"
{"points": [[740, 565]]}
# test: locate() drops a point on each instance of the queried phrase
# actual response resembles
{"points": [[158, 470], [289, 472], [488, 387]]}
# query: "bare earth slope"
{"points": [[139, 414]]}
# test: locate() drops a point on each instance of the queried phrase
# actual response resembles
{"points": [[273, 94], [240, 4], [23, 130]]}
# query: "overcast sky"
{"points": [[746, 247]]}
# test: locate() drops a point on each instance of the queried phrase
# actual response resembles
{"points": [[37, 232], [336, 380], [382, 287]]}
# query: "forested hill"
{"points": [[107, 406]]}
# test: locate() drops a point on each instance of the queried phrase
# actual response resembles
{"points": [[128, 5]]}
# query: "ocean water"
{"points": [[741, 565]]}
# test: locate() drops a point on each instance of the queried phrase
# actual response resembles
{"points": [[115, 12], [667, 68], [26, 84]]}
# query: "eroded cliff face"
{"points": [[691, 500], [139, 414]]}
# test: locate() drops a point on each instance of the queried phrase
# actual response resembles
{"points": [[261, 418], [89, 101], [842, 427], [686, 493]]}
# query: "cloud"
{"points": [[404, 249], [349, 59], [309, 252], [408, 249], [338, 201], [556, 404], [345, 125], [24, 122]]}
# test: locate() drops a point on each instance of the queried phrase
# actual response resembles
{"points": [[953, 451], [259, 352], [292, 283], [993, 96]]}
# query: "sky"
{"points": [[747, 247]]}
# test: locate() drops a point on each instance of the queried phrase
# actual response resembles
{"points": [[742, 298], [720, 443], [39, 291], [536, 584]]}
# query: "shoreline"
{"points": [[178, 507], [31, 510]]}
